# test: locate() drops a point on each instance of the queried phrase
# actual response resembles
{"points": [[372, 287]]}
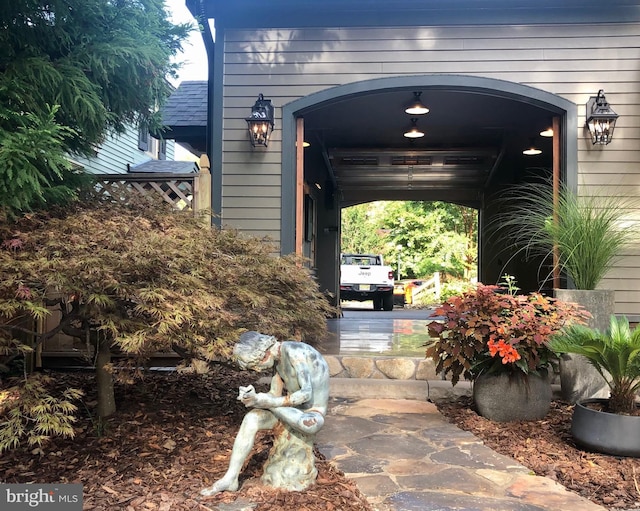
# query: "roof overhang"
{"points": [[333, 13]]}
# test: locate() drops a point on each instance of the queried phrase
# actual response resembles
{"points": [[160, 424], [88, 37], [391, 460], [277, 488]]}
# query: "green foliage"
{"points": [[615, 354], [360, 232], [425, 236], [146, 279], [587, 230], [69, 71], [33, 159], [454, 287], [509, 283], [150, 278], [29, 412], [434, 236], [488, 330]]}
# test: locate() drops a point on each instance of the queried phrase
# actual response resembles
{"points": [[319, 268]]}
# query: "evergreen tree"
{"points": [[70, 70]]}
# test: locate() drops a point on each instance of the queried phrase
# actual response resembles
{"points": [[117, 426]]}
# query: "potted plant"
{"points": [[497, 338], [587, 234], [611, 426]]}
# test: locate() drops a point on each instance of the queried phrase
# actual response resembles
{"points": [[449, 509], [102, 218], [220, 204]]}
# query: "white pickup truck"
{"points": [[364, 277]]}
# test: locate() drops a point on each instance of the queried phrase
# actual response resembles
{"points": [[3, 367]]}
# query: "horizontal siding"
{"points": [[117, 151], [333, 38], [256, 180], [572, 61]]}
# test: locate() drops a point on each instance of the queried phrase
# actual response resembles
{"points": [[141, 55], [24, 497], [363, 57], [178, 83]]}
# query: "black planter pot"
{"points": [[604, 432], [502, 398]]}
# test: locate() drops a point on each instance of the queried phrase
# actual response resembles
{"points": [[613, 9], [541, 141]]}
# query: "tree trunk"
{"points": [[622, 401], [104, 379]]}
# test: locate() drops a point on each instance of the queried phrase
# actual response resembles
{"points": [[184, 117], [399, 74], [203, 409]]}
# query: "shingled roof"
{"points": [[185, 115], [187, 106], [166, 167]]}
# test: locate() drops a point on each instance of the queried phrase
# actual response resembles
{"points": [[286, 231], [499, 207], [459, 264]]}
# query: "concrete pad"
{"points": [[442, 389], [363, 388]]}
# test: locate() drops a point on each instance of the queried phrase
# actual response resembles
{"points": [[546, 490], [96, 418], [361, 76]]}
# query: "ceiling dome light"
{"points": [[416, 107], [547, 133], [532, 150], [414, 131]]}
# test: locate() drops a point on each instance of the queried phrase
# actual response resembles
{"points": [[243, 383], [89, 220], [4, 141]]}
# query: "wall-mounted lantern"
{"points": [[260, 123], [601, 120]]}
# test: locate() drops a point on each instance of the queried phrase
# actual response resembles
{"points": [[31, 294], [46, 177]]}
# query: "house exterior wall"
{"points": [[117, 151], [573, 61]]}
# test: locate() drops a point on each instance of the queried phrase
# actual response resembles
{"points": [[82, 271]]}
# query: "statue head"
{"points": [[253, 351]]}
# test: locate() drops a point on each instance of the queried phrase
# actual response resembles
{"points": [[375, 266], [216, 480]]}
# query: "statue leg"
{"points": [[308, 423], [253, 422]]}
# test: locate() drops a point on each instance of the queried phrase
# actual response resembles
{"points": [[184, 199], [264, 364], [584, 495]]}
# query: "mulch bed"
{"points": [[173, 433], [547, 448], [171, 437]]}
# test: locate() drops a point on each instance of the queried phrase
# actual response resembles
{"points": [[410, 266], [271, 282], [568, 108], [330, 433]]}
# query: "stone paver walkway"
{"points": [[405, 456]]}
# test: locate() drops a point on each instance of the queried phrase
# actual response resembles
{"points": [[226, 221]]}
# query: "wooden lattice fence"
{"points": [[179, 190]]}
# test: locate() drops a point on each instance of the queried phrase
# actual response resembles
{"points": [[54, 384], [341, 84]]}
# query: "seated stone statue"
{"points": [[297, 399]]}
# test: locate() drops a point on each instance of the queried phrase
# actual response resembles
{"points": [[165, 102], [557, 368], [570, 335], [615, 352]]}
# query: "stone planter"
{"points": [[578, 378], [608, 433], [504, 398]]}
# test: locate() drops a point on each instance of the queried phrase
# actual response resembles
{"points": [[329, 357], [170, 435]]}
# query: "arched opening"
{"points": [[475, 134]]}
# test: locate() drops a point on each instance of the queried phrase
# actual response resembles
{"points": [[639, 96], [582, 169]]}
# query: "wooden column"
{"points": [[202, 188], [299, 184], [556, 194]]}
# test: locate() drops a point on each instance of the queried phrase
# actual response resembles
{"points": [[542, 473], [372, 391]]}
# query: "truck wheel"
{"points": [[387, 302], [377, 303]]}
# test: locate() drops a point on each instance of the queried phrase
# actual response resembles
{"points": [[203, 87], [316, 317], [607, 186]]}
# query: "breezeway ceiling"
{"points": [[469, 139]]}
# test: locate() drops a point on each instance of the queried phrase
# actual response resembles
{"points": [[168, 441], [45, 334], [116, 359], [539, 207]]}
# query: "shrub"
{"points": [[30, 412], [141, 279], [489, 330], [454, 288], [615, 354]]}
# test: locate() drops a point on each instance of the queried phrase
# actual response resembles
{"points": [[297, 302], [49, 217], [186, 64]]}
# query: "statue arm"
{"points": [[277, 385], [272, 400]]}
